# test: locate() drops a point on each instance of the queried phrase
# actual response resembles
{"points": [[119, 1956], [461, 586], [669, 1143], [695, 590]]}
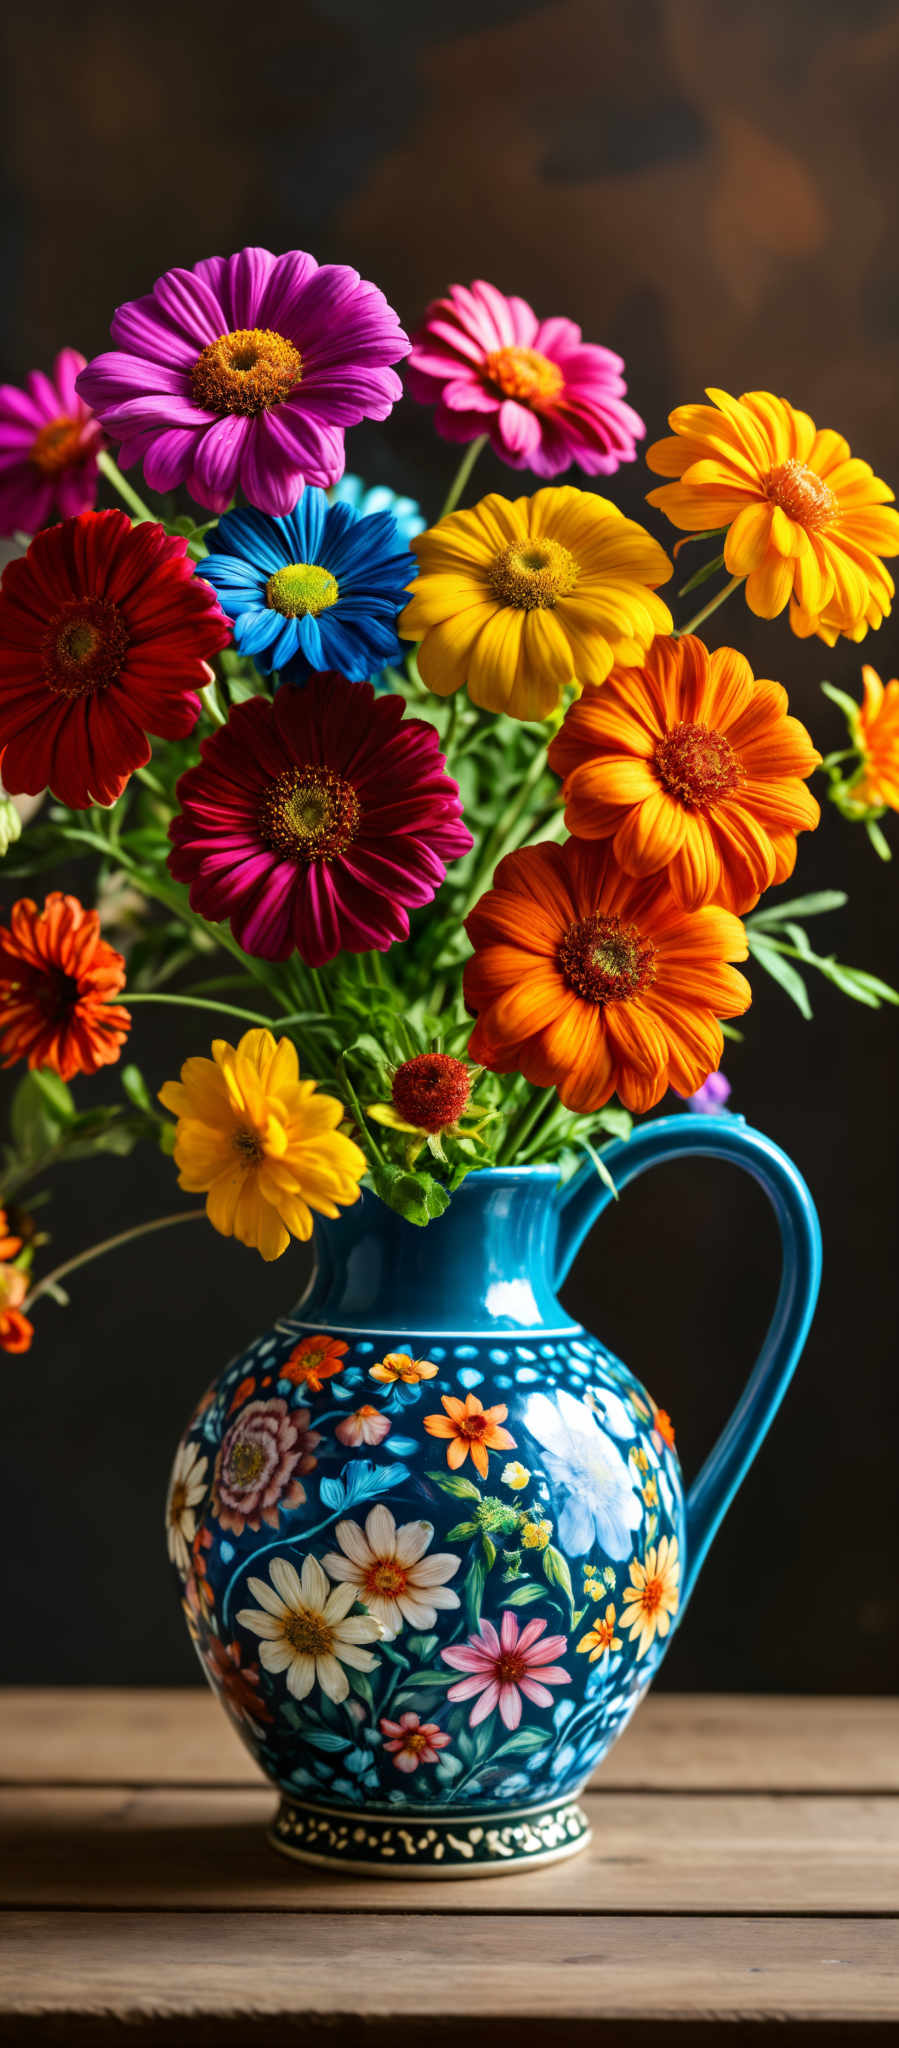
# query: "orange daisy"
{"points": [[56, 978], [397, 1365], [313, 1361], [470, 1427], [807, 524], [588, 981], [690, 764], [16, 1331], [877, 736], [9, 1246]]}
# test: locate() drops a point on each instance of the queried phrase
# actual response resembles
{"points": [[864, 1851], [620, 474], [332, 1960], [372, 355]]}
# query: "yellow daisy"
{"points": [[651, 1599], [807, 524], [518, 600], [260, 1143]]}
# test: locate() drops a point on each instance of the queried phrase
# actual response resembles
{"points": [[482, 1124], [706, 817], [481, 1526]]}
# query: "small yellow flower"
{"points": [[601, 1637], [262, 1145], [515, 1474], [397, 1365], [652, 1597], [651, 1493], [640, 1459], [536, 1535]]}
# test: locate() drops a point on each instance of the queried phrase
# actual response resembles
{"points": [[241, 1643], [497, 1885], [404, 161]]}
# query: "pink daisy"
{"points": [[49, 441], [316, 823], [505, 1666], [545, 397], [412, 1741], [245, 371]]}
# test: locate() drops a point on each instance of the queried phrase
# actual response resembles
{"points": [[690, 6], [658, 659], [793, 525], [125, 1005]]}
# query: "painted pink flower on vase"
{"points": [[244, 372], [544, 396], [365, 1425], [317, 822], [257, 1469], [49, 443], [411, 1741], [502, 1669]]}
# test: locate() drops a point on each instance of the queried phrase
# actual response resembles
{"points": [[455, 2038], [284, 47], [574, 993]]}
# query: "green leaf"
{"points": [[846, 704], [523, 1594], [524, 1742], [815, 905], [34, 1123], [453, 1482], [878, 840], [362, 1685], [473, 1590], [489, 1549], [702, 575], [557, 1573], [461, 1531], [416, 1196], [418, 1679], [327, 1739], [618, 1122], [136, 1089], [422, 1646], [862, 987], [781, 971]]}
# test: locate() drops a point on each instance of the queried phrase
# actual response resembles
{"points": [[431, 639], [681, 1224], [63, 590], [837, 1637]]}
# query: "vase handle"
{"points": [[720, 1137]]}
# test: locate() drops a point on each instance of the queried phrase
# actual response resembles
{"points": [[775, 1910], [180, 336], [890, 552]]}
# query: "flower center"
{"points": [[84, 647], [299, 588], [533, 574], [802, 494], [431, 1090], [651, 1595], [57, 445], [525, 374], [309, 1633], [696, 764], [606, 961], [415, 1741], [245, 1463], [511, 1668], [385, 1577], [309, 814], [247, 371], [178, 1503], [249, 1144]]}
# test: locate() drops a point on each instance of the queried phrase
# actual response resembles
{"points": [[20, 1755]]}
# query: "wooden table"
{"points": [[744, 1872]]}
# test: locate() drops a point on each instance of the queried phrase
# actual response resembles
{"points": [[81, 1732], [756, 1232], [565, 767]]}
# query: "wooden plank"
{"points": [[190, 1978], [677, 1740], [192, 1849]]}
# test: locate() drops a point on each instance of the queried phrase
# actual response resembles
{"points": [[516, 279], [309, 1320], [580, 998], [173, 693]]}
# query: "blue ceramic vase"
{"points": [[431, 1536]]}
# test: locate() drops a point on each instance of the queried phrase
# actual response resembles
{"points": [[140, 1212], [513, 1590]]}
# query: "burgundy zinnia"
{"points": [[545, 397], [245, 371], [316, 823], [105, 634], [431, 1090], [49, 442]]}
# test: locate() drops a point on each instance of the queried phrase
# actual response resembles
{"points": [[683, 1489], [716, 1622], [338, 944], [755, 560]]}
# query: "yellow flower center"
{"points": [[525, 374], [245, 1463], [606, 961], [309, 814], [414, 1741], [56, 446], [308, 1633], [247, 371], [696, 764], [84, 647], [385, 1577], [178, 1503], [533, 574], [802, 494], [299, 588]]}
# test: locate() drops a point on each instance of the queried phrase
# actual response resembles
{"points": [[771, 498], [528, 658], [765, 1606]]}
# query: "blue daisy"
{"points": [[367, 498], [321, 589]]}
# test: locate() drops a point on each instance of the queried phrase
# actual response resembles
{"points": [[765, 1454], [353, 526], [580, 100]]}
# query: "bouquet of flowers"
{"points": [[447, 829]]}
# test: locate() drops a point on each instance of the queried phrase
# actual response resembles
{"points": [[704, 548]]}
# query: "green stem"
{"points": [[108, 1244], [474, 449], [110, 469], [210, 699], [504, 832], [516, 1136], [222, 1009], [708, 609]]}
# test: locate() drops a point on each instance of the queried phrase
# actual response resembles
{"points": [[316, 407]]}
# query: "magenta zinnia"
{"points": [[105, 636], [545, 397], [316, 823], [244, 371], [49, 442]]}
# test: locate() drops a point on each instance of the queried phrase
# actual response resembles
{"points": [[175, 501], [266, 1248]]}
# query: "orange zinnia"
{"points": [[804, 520], [690, 764], [877, 734], [593, 983], [470, 1427], [56, 978], [313, 1361]]}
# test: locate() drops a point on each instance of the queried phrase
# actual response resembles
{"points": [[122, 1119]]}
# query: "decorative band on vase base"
{"points": [[428, 1843]]}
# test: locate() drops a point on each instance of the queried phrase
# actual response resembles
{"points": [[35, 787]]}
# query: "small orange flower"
{"points": [[313, 1361], [242, 1392], [56, 978], [590, 982], [9, 1246], [470, 1427], [878, 739], [601, 1638], [692, 765], [16, 1332], [397, 1365], [661, 1421]]}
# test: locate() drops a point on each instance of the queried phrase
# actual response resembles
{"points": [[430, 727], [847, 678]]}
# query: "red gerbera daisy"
{"points": [[56, 978], [105, 634], [316, 823]]}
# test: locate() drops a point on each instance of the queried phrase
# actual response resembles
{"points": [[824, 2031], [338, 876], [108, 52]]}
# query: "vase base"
{"points": [[428, 1843]]}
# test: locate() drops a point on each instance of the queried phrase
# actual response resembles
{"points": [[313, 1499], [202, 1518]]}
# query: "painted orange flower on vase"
{"points": [[313, 1361], [470, 1428], [588, 981], [807, 524], [692, 765], [56, 979], [397, 1365]]}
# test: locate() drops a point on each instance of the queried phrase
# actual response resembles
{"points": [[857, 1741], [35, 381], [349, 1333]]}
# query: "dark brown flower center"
{"points": [[247, 371], [178, 1503], [309, 1633], [525, 374], [309, 814], [533, 574], [57, 445], [606, 961], [511, 1668], [431, 1090], [248, 1144], [245, 1463], [802, 494], [696, 764], [84, 647]]}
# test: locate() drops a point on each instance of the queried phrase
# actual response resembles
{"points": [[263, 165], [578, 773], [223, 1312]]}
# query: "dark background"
{"points": [[712, 191]]}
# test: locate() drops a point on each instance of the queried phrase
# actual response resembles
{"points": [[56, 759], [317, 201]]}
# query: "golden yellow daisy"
{"points": [[261, 1144], [807, 524], [651, 1600], [519, 599]]}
